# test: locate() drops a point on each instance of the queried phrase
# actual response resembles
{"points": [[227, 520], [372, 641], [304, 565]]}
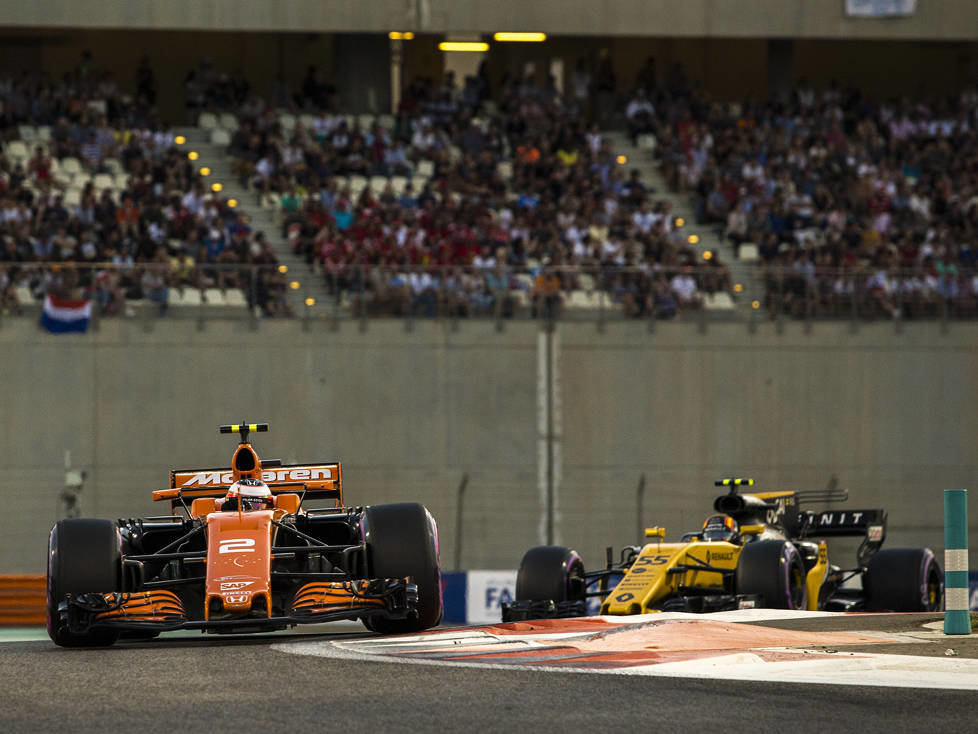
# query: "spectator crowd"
{"points": [[850, 202], [495, 193], [154, 228]]}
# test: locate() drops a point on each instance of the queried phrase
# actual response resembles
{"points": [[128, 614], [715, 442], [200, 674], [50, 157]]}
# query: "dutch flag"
{"points": [[64, 315]]}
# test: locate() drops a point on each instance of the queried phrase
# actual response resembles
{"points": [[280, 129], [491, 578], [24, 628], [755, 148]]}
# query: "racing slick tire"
{"points": [[402, 540], [904, 580], [84, 555], [773, 570], [550, 572]]}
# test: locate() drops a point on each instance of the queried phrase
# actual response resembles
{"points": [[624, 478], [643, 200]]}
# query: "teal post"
{"points": [[957, 619]]}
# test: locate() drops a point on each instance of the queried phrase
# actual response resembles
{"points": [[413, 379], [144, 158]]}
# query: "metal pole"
{"points": [[640, 510], [458, 521], [549, 350], [957, 618]]}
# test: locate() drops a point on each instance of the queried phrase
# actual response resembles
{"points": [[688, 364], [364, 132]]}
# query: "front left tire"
{"points": [[84, 556]]}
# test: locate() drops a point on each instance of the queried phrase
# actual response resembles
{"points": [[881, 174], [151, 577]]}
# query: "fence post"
{"points": [[957, 618]]}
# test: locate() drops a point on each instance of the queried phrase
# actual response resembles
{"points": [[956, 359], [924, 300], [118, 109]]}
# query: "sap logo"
{"points": [[496, 597], [217, 478], [235, 585]]}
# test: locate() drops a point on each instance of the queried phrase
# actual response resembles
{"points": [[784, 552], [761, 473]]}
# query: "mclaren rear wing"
{"points": [[320, 481]]}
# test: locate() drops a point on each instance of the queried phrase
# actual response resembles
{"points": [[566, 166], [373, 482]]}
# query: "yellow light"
{"points": [[738, 287], [707, 255], [622, 160], [755, 304], [232, 203], [310, 301], [283, 269], [179, 140], [205, 171], [693, 239], [294, 285], [680, 222], [399, 36], [520, 37], [463, 46], [216, 186], [192, 155]]}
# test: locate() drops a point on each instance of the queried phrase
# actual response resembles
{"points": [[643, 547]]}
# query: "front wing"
{"points": [[315, 603]]}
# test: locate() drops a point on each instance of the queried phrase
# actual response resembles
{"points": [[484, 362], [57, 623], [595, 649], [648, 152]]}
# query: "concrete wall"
{"points": [[943, 19], [893, 416]]}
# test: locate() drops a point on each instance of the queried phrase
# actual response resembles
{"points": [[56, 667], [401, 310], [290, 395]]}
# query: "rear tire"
{"points": [[402, 540], [550, 572], [773, 570], [904, 580], [84, 556]]}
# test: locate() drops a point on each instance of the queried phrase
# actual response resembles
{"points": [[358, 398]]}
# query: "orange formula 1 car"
{"points": [[247, 556]]}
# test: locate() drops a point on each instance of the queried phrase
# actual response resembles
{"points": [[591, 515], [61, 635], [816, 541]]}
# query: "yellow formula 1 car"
{"points": [[759, 550]]}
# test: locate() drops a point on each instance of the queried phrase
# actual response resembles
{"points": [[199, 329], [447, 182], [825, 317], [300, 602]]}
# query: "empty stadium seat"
{"points": [[357, 184], [17, 150], [214, 297], [27, 133], [103, 181], [426, 169], [220, 136], [366, 121], [582, 300], [228, 121], [207, 120], [718, 302], [748, 252], [287, 121], [387, 121], [44, 133], [505, 169], [24, 295], [235, 297], [378, 183], [399, 182], [307, 120], [72, 197], [186, 297], [70, 166], [647, 141]]}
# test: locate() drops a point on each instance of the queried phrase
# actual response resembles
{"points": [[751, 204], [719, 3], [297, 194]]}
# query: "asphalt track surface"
{"points": [[241, 684]]}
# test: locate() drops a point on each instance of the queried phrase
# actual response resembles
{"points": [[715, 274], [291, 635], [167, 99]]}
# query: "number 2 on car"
{"points": [[238, 545]]}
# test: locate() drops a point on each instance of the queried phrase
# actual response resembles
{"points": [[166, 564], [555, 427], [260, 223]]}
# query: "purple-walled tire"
{"points": [[773, 570], [550, 572], [904, 580]]}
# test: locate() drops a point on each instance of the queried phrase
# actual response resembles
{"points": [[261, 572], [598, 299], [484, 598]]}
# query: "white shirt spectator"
{"points": [[684, 286]]}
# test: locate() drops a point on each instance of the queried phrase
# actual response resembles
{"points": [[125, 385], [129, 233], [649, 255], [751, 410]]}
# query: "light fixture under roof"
{"points": [[521, 37]]}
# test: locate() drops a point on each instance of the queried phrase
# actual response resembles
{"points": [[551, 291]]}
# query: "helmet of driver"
{"points": [[720, 527], [253, 494]]}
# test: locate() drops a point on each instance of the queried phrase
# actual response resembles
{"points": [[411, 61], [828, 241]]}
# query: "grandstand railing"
{"points": [[596, 294]]}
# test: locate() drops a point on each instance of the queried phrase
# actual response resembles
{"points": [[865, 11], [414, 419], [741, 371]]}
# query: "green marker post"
{"points": [[957, 619]]}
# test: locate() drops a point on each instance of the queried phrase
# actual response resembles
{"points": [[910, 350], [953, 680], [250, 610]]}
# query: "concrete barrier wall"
{"points": [[893, 416]]}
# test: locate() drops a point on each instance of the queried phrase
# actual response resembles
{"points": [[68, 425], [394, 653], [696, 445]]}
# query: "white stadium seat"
{"points": [[207, 120], [748, 252]]}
